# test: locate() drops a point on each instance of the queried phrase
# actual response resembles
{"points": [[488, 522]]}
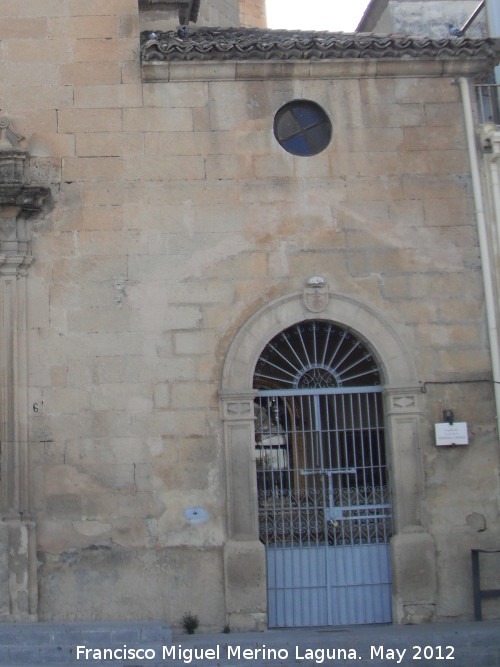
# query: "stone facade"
{"points": [[179, 241]]}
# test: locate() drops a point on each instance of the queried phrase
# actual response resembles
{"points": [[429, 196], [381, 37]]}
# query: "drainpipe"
{"points": [[488, 274]]}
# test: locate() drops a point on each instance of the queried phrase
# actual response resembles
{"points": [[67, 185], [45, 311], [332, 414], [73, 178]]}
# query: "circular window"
{"points": [[302, 128]]}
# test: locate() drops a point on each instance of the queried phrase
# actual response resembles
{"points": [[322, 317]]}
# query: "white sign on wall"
{"points": [[451, 434]]}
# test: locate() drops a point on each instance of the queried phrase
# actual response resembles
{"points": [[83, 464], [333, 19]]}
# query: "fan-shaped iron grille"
{"points": [[314, 355]]}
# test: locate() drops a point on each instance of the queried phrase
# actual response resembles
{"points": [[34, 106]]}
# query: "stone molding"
{"points": [[403, 400], [237, 407]]}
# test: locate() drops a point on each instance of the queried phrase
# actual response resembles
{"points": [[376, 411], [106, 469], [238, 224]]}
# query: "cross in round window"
{"points": [[302, 128]]}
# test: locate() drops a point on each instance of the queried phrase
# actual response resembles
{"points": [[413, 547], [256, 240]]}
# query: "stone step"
{"points": [[471, 645], [56, 644]]}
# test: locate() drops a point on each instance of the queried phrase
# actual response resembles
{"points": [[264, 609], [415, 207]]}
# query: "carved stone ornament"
{"points": [[19, 200], [239, 410], [316, 294], [9, 138], [403, 402]]}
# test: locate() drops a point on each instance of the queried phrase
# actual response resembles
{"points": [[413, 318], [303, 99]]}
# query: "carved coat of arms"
{"points": [[316, 294]]}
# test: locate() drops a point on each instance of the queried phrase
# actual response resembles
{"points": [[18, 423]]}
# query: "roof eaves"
{"points": [[237, 44]]}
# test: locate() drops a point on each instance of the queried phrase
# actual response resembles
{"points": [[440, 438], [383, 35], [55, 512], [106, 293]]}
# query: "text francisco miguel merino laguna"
{"points": [[186, 655]]}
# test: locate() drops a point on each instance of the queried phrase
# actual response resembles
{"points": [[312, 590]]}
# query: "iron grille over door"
{"points": [[325, 512]]}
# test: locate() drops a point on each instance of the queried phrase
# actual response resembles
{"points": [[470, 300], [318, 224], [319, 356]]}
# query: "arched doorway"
{"points": [[245, 563], [325, 511]]}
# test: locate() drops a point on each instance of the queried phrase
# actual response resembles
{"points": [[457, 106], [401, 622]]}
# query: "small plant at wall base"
{"points": [[190, 623]]}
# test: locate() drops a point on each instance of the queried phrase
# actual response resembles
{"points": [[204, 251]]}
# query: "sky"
{"points": [[331, 15]]}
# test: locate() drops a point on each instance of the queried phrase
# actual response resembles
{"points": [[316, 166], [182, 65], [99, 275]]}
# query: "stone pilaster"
{"points": [[18, 202], [413, 553], [244, 555]]}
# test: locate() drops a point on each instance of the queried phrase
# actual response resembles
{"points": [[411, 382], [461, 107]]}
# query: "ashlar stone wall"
{"points": [[176, 217]]}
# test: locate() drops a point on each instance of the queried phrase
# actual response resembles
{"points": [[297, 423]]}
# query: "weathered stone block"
{"points": [[80, 74], [112, 144], [169, 95], [48, 97], [165, 168], [102, 50], [157, 120], [96, 9], [393, 115], [244, 564], [39, 50], [107, 96], [436, 90], [17, 28], [426, 138], [90, 168], [85, 26], [89, 120], [44, 8], [413, 561]]}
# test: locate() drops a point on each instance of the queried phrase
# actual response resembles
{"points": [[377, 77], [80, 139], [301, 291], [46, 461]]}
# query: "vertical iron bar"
{"points": [[303, 502], [372, 524], [346, 522]]}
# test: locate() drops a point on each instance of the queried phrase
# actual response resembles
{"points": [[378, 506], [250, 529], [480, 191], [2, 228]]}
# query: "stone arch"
{"points": [[244, 558], [395, 361]]}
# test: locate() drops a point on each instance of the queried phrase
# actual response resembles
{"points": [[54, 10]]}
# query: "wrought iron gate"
{"points": [[325, 512]]}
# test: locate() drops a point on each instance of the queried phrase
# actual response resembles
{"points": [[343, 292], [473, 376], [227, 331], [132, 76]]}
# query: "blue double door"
{"points": [[325, 511]]}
